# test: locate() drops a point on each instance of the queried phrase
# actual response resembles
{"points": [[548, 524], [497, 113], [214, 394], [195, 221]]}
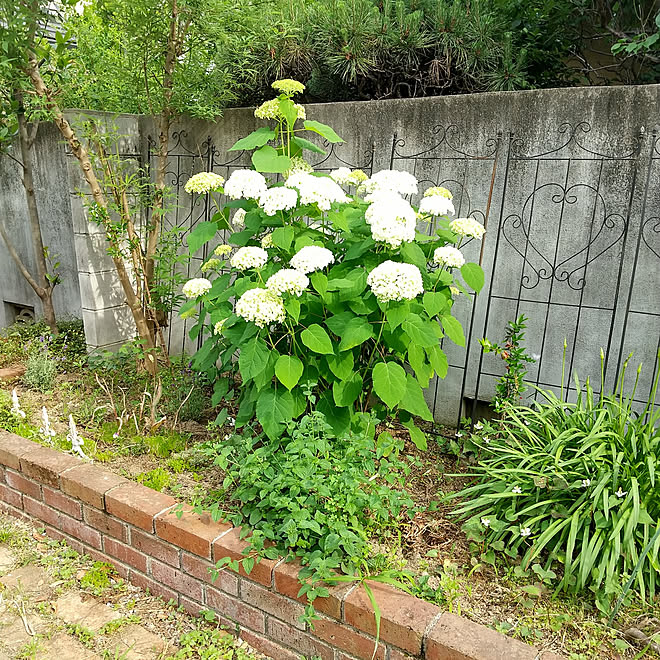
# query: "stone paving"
{"points": [[47, 613]]}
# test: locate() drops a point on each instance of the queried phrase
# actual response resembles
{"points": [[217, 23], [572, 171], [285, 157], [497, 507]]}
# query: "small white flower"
{"points": [[15, 405], [487, 440], [459, 434], [467, 227], [478, 426], [621, 493], [395, 281], [288, 280], [586, 483], [311, 258], [196, 287], [278, 199], [449, 256], [245, 184], [485, 522], [525, 531], [261, 307], [249, 257], [204, 182], [517, 490], [115, 435]]}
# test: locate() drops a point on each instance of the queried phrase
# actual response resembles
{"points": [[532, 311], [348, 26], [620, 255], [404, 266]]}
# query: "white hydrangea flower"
{"points": [[311, 258], [467, 227], [438, 191], [455, 291], [341, 175], [436, 205], [204, 182], [261, 307], [319, 190], [271, 110], [222, 250], [196, 287], [211, 264], [288, 86], [392, 220], [288, 280], [249, 257], [239, 218], [298, 166], [395, 281], [278, 199], [357, 177], [449, 256], [395, 181], [267, 240], [245, 184], [217, 328]]}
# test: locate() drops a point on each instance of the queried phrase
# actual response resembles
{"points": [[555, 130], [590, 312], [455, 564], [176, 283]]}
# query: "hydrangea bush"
{"points": [[328, 282]]}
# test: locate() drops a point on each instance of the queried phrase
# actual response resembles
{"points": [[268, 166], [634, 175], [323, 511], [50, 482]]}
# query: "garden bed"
{"points": [[431, 544]]}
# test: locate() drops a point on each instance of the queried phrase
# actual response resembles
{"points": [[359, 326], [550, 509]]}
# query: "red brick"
{"points": [[185, 584], [286, 582], [72, 543], [154, 587], [10, 496], [122, 570], [199, 568], [268, 648], [235, 610], [151, 546], [269, 601], [12, 447], [80, 531], [191, 531], [231, 545], [2, 475], [105, 523], [19, 482], [9, 510], [190, 606], [55, 499], [342, 637], [456, 638], [125, 554], [304, 643], [137, 504], [90, 483], [40, 511], [395, 654], [404, 618], [46, 465]]}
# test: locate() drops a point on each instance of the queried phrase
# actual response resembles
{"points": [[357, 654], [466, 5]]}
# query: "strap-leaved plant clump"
{"points": [[325, 280]]}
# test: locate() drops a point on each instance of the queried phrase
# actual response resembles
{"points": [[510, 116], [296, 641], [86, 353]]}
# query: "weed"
{"points": [[98, 578], [158, 479], [84, 635]]}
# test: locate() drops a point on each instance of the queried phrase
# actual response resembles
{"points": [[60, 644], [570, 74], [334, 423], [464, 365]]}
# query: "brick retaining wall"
{"points": [[133, 527]]}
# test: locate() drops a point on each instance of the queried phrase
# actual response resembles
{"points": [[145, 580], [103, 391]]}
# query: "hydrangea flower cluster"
{"points": [[436, 205], [203, 183], [239, 218], [211, 264], [249, 257], [261, 307], [395, 181], [288, 86], [342, 176], [392, 220], [278, 199], [219, 325], [311, 258], [198, 286], [395, 281], [222, 250], [438, 191], [288, 280], [267, 240], [448, 256], [298, 165], [245, 184], [319, 190], [467, 227], [271, 110]]}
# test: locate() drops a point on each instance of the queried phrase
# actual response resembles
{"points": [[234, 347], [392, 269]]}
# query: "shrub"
{"points": [[573, 483], [40, 370], [330, 288]]}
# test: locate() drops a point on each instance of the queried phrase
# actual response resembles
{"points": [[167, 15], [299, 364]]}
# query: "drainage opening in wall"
{"points": [[478, 409], [17, 313]]}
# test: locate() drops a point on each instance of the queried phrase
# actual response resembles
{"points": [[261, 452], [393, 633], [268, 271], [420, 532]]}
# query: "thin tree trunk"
{"points": [[79, 151], [45, 291]]}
